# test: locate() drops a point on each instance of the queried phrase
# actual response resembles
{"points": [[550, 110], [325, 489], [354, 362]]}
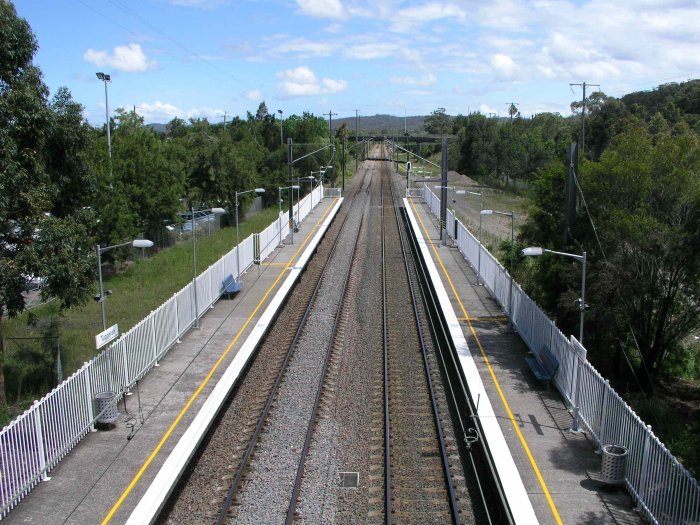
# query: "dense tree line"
{"points": [[61, 194], [637, 217]]}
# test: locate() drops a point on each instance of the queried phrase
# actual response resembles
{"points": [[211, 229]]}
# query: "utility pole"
{"points": [[583, 114], [224, 120], [357, 122], [330, 133], [330, 123]]}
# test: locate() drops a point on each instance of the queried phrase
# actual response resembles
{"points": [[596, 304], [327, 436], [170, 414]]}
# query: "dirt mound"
{"points": [[460, 180]]}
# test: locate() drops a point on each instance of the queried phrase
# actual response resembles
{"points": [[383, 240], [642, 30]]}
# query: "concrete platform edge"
{"points": [[509, 476], [146, 511]]}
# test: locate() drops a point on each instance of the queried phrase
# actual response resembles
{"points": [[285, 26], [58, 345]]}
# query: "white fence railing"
{"points": [[34, 443], [664, 490]]}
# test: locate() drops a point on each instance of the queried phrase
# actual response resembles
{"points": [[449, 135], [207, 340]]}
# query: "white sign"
{"points": [[408, 165], [105, 337]]}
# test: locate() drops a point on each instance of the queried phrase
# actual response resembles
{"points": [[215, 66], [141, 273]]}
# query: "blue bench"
{"points": [[543, 364], [230, 285]]}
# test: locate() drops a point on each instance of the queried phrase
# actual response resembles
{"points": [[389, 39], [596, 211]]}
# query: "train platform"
{"points": [[105, 476], [559, 468]]}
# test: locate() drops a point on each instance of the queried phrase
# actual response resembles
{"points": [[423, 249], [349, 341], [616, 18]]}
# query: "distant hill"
{"points": [[158, 128], [379, 124], [674, 101], [382, 124]]}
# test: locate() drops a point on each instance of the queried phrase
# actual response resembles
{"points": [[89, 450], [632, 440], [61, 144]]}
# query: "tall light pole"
{"points": [[279, 196], [107, 78], [238, 248], [455, 192], [512, 256], [137, 243], [215, 211], [481, 207], [281, 122], [536, 250]]}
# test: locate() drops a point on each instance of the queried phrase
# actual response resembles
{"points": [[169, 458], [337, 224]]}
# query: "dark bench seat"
{"points": [[230, 285], [543, 364]]}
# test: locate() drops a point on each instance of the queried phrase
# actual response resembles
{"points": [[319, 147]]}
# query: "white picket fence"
{"points": [[665, 492], [34, 443]]}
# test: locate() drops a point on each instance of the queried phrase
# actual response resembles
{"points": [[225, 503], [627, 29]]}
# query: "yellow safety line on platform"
{"points": [[494, 318], [523, 442], [206, 380]]}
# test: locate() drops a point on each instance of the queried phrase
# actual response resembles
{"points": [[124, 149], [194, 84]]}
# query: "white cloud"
{"points": [[371, 51], [504, 67], [302, 82], [304, 48], [485, 109], [164, 112], [408, 19], [322, 8], [129, 58], [255, 95], [424, 80]]}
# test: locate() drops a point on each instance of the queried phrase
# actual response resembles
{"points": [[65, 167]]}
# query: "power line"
{"points": [[134, 14], [140, 38]]}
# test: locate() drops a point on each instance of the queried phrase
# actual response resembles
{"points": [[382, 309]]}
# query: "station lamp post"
{"points": [[215, 211], [535, 251], [107, 78], [510, 214], [238, 248], [137, 243], [481, 207], [279, 196], [455, 192]]}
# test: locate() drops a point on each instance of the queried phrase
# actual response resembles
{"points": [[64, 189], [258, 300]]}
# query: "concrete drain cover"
{"points": [[349, 480]]}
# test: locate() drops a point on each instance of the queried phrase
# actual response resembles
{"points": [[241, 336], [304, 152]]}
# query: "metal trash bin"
{"points": [[612, 470], [106, 407]]}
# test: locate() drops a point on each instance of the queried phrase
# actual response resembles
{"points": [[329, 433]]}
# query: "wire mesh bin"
{"points": [[612, 471], [106, 407]]}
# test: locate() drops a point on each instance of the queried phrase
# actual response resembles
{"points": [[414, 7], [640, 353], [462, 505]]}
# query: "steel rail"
{"points": [[245, 460], [490, 490], [426, 365], [385, 326], [291, 511]]}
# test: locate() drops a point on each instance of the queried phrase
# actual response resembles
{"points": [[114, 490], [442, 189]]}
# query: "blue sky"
{"points": [[204, 58]]}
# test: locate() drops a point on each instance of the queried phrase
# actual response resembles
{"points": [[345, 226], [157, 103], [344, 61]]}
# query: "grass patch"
{"points": [[141, 288]]}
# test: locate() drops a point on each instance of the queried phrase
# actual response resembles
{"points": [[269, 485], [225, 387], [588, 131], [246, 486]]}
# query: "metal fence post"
{"points": [[575, 386], [153, 339], [126, 366], [40, 441], [88, 390], [644, 471], [177, 319], [603, 410]]}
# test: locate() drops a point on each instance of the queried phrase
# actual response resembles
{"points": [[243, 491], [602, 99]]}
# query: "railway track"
{"points": [[340, 418]]}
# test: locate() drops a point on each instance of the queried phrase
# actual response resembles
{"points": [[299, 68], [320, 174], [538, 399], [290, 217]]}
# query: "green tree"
{"points": [[262, 112], [43, 230], [438, 122], [643, 196], [150, 187]]}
